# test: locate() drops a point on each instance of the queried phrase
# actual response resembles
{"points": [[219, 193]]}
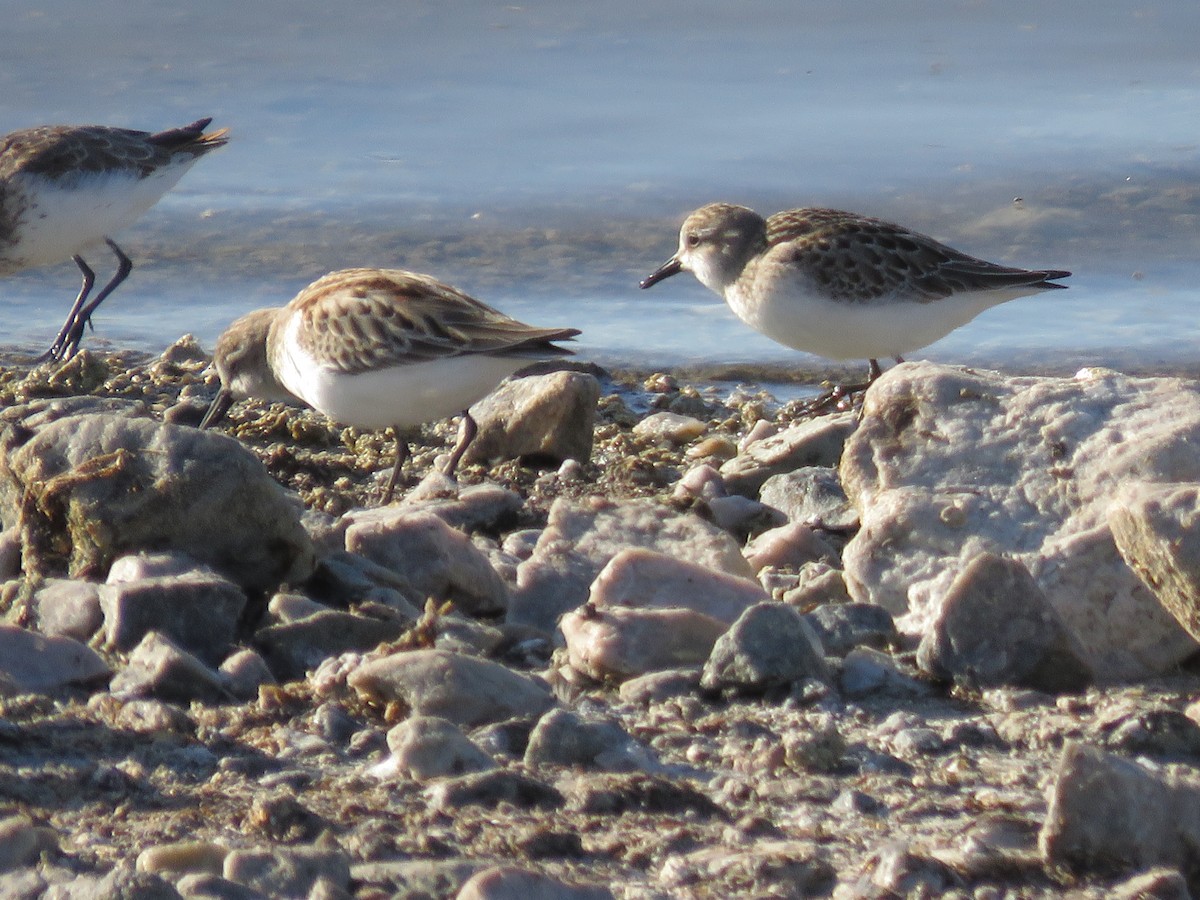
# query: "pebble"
{"points": [[511, 883], [425, 747], [769, 646]]}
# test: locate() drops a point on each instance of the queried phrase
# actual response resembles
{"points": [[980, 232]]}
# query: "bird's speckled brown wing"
{"points": [[358, 320], [858, 259], [56, 150]]}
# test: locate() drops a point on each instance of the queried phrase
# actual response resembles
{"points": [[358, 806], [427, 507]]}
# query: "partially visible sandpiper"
{"points": [[378, 348], [64, 188], [838, 284]]}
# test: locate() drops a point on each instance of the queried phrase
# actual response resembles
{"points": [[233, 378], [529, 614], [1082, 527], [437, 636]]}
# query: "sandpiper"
{"points": [[839, 284], [64, 188], [377, 348]]}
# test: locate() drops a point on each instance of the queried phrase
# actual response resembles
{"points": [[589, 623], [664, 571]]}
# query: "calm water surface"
{"points": [[542, 155]]}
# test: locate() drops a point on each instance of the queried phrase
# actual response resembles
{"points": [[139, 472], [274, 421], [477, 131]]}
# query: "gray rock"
{"points": [[511, 883], [243, 673], [564, 738], [204, 886], [670, 427], [1157, 884], [939, 474], [65, 607], [465, 690], [656, 687], [490, 789], [10, 553], [818, 584], [817, 442], [615, 643], [123, 882], [541, 416], [294, 648], [840, 627], [582, 536], [742, 517], [813, 496], [287, 871], [158, 667], [472, 508], [36, 663], [645, 579], [769, 646], [792, 545], [343, 579], [1108, 815], [22, 842], [995, 626], [425, 747], [198, 611], [774, 868], [139, 566], [433, 558], [865, 671], [104, 485], [1157, 530]]}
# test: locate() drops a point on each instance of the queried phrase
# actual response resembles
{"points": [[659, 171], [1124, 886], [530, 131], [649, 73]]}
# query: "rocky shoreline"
{"points": [[657, 641]]}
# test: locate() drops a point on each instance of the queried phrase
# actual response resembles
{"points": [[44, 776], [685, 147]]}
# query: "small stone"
{"points": [[817, 442], [817, 584], [542, 417], [581, 537], [294, 649], [1157, 884], [995, 626], [490, 789], [198, 611], [774, 869], [866, 671], [564, 738], [65, 607], [33, 662], [842, 627], [146, 564], [670, 427], [425, 747], [511, 883], [22, 842], [1109, 815], [769, 646], [182, 858], [647, 579], [465, 690], [656, 687], [618, 643], [813, 496], [819, 749], [790, 545], [287, 871], [160, 668], [243, 673]]}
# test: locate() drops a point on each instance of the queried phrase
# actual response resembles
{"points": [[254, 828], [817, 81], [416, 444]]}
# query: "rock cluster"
{"points": [[929, 647]]}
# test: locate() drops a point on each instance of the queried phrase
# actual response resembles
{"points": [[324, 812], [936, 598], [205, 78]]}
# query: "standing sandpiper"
{"points": [[63, 188], [376, 348], [838, 284]]}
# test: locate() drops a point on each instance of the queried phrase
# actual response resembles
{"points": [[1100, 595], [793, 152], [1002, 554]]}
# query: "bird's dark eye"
{"points": [[692, 239]]}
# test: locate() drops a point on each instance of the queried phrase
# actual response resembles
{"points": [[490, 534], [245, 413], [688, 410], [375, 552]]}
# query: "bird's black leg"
{"points": [[401, 457], [89, 279], [466, 434], [832, 398], [84, 318]]}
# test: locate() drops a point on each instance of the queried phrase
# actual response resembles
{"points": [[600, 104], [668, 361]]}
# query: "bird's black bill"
{"points": [[216, 412], [671, 267]]}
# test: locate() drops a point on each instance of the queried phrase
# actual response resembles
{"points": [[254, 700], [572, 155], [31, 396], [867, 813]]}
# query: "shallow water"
{"points": [[541, 156]]}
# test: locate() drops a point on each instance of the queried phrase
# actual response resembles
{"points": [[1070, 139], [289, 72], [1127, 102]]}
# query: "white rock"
{"points": [[669, 426], [582, 536], [646, 579], [618, 643], [948, 463]]}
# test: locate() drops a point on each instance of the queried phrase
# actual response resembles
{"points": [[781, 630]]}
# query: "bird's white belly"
{"points": [[400, 395], [792, 314], [62, 217]]}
